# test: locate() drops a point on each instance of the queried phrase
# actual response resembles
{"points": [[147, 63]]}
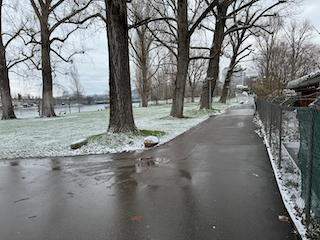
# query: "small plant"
{"points": [[290, 169], [291, 183], [313, 230]]}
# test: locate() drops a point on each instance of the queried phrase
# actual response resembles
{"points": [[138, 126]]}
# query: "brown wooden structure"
{"points": [[307, 87]]}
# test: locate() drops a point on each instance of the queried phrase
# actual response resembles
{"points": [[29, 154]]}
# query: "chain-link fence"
{"points": [[293, 134]]}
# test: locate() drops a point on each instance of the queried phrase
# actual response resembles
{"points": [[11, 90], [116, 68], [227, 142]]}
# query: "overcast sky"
{"points": [[311, 10], [93, 70]]}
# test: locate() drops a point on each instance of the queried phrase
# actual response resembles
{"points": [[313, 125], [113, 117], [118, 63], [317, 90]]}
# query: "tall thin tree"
{"points": [[11, 53], [51, 15], [182, 32], [7, 108]]}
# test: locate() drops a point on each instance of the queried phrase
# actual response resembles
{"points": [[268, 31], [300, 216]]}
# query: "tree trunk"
{"points": [[183, 61], [7, 109], [47, 94], [145, 83], [224, 93], [215, 51], [192, 93], [79, 104], [121, 116], [144, 98]]}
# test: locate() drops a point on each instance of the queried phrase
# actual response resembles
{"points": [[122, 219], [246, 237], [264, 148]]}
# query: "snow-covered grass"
{"points": [[52, 137], [288, 177]]}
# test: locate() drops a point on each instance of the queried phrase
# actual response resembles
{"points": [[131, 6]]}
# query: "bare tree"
{"points": [[76, 86], [285, 53], [270, 59], [180, 28], [51, 16], [196, 73], [303, 54], [7, 108], [222, 15], [11, 54], [215, 51], [141, 44], [164, 78], [237, 39], [121, 116]]}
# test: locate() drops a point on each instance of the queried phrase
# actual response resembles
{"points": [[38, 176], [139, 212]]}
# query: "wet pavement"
{"points": [[213, 182]]}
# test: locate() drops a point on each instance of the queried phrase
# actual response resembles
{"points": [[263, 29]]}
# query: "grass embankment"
{"points": [[48, 137]]}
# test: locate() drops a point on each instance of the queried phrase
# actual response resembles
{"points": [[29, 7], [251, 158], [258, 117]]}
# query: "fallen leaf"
{"points": [[283, 218], [256, 175], [138, 218]]}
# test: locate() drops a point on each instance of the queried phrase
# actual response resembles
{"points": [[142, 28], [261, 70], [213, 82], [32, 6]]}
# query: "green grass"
{"points": [[51, 137], [146, 133]]}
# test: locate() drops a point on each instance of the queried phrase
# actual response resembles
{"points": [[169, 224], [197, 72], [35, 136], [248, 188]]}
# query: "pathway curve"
{"points": [[212, 182]]}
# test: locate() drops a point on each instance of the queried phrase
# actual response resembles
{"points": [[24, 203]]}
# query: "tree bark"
{"points": [[144, 71], [224, 93], [121, 116], [7, 108], [192, 95], [232, 64], [215, 52], [183, 60], [47, 94]]}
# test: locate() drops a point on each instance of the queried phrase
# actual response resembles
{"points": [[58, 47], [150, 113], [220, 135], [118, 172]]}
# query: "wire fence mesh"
{"points": [[293, 134]]}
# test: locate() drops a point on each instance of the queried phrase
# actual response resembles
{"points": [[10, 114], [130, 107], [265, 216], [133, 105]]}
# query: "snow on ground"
{"points": [[52, 137], [288, 178]]}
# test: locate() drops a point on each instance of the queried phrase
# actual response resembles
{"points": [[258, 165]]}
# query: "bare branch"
{"points": [[65, 19], [149, 20], [69, 59], [202, 16]]}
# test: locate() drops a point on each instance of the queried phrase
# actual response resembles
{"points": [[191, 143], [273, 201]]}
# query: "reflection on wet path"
{"points": [[181, 190], [72, 191]]}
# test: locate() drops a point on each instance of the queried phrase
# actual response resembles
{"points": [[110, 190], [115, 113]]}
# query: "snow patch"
{"points": [[289, 182]]}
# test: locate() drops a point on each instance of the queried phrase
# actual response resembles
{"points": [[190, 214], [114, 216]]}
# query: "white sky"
{"points": [[311, 10], [93, 70]]}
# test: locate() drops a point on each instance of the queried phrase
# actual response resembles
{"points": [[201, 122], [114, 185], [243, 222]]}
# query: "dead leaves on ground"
{"points": [[138, 218], [283, 218]]}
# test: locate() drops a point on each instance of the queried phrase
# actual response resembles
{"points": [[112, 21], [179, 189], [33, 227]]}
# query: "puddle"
{"points": [[55, 165], [127, 167], [151, 161], [14, 163], [146, 162]]}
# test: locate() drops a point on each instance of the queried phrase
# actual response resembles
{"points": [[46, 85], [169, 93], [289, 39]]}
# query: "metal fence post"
{"points": [[280, 136], [309, 166], [270, 127]]}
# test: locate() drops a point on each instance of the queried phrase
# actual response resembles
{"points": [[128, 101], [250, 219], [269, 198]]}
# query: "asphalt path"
{"points": [[212, 182]]}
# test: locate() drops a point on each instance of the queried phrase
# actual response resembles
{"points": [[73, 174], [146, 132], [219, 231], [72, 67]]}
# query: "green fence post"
{"points": [[309, 166], [270, 127], [280, 134]]}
